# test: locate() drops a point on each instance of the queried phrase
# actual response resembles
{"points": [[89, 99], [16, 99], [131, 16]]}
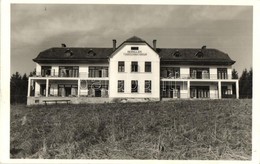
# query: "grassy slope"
{"points": [[210, 129]]}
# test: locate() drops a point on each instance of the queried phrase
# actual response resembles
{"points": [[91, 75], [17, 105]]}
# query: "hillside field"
{"points": [[174, 130]]}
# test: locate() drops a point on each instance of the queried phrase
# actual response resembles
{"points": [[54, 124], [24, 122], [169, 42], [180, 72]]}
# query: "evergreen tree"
{"points": [[250, 83], [18, 88], [234, 74], [245, 84]]}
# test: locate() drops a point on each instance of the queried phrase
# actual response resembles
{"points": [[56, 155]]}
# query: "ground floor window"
{"points": [[43, 89], [134, 86], [120, 86], [199, 92], [97, 88], [170, 89], [225, 92], [148, 86], [67, 90]]}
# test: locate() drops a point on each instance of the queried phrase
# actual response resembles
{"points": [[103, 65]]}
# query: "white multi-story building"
{"points": [[132, 71]]}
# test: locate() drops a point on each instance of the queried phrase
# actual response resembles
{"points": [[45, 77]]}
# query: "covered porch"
{"points": [[75, 87], [203, 89]]}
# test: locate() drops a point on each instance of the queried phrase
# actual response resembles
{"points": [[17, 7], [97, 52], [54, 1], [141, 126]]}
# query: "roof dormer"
{"points": [[177, 53], [91, 52]]}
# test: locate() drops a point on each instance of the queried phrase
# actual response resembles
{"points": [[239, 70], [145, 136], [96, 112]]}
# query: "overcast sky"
{"points": [[35, 28]]}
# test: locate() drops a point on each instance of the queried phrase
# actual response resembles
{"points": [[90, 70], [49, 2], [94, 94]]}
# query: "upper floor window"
{"points": [[120, 86], [134, 86], [199, 73], [46, 71], [69, 71], [148, 86], [98, 71], [222, 73], [134, 66], [121, 66], [148, 67], [170, 72]]}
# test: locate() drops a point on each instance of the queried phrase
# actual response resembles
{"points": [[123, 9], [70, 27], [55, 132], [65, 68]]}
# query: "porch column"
{"points": [[29, 87], [237, 89], [188, 89], [219, 90], [47, 87], [78, 87]]}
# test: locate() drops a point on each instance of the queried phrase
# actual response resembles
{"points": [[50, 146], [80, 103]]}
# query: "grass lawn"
{"points": [[183, 129]]}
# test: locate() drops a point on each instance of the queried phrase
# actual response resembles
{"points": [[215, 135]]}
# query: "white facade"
{"points": [[142, 55], [134, 70]]}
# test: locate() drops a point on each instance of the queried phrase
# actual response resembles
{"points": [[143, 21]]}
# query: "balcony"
{"points": [[72, 74], [197, 76]]}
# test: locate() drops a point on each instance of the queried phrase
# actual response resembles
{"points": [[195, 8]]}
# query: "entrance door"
{"points": [[43, 89], [97, 92], [199, 74], [67, 91], [199, 92], [176, 92], [193, 92]]}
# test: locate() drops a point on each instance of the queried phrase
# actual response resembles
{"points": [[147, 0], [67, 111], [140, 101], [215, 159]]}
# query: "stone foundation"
{"points": [[86, 100]]}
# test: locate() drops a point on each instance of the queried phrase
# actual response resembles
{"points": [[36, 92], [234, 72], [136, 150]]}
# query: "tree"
{"points": [[245, 84], [33, 73], [234, 74], [18, 88]]}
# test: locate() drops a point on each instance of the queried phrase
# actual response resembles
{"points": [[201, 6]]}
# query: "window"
{"points": [[98, 71], [170, 72], [97, 88], [121, 66], [199, 54], [46, 70], [134, 48], [134, 86], [177, 53], [148, 86], [120, 86], [134, 67], [222, 73], [199, 73], [199, 92], [66, 90], [148, 67], [69, 71]]}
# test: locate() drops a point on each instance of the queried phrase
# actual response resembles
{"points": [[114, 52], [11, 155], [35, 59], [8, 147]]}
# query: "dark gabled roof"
{"points": [[135, 39], [185, 56], [70, 54], [190, 55]]}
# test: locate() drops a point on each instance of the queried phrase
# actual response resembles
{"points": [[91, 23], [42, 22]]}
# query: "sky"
{"points": [[37, 27]]}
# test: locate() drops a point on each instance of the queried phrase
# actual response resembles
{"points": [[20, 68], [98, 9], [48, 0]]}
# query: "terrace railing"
{"points": [[72, 75], [196, 76]]}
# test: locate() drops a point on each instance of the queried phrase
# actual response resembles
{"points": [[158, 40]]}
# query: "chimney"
{"points": [[114, 44], [154, 44], [203, 47], [63, 45]]}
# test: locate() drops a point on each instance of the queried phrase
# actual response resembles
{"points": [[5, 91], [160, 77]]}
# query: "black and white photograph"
{"points": [[121, 81]]}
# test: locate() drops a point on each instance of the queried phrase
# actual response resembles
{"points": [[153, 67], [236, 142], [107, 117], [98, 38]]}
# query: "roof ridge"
{"points": [[81, 47]]}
